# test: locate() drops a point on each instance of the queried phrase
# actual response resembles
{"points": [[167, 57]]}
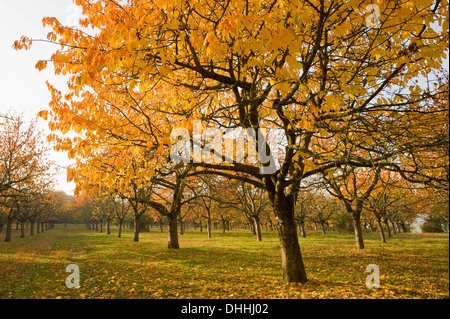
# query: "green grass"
{"points": [[230, 265]]}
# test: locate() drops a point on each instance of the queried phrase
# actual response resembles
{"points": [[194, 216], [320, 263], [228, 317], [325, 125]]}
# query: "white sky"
{"points": [[22, 87]]}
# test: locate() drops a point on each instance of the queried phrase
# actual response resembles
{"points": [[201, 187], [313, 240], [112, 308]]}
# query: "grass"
{"points": [[231, 265]]}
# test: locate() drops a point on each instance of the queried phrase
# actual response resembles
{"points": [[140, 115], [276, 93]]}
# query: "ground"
{"points": [[230, 265]]}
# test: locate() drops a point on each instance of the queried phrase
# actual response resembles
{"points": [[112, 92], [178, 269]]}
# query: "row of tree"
{"points": [[344, 94], [27, 196], [239, 205]]}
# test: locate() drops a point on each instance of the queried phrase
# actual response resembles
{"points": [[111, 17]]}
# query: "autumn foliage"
{"points": [[343, 92]]}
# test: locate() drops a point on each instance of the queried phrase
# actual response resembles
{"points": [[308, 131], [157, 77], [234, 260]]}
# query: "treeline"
{"points": [[27, 195], [235, 204]]}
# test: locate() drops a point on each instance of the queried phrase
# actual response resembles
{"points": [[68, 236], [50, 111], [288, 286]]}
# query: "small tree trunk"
{"points": [[322, 224], [301, 225], [356, 217], [258, 229], [388, 228], [380, 224], [161, 224], [8, 230], [32, 228], [136, 227], [209, 224], [173, 233], [394, 229], [22, 229], [120, 228], [181, 227], [108, 228], [42, 227]]}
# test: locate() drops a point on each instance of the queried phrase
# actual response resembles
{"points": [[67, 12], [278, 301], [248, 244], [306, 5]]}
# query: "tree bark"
{"points": [[120, 228], [136, 227], [291, 257], [173, 233], [181, 225], [22, 229], [388, 228], [8, 230], [32, 228], [322, 224], [301, 226], [257, 227], [380, 224], [356, 217], [209, 224]]}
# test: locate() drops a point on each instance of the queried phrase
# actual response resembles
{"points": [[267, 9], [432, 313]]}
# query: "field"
{"points": [[230, 265]]}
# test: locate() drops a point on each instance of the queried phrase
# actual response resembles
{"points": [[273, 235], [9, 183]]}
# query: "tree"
{"points": [[322, 209], [253, 202], [121, 209], [23, 166], [353, 187], [312, 69]]}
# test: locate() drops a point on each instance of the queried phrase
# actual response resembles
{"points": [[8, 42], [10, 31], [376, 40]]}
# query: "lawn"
{"points": [[230, 265]]}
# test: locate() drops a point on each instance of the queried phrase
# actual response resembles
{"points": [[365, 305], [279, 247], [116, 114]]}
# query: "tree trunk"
{"points": [[394, 228], [322, 225], [301, 226], [32, 228], [22, 229], [8, 230], [108, 228], [388, 228], [257, 227], [161, 224], [173, 233], [356, 217], [120, 228], [136, 227], [42, 227], [181, 226], [291, 257], [380, 224], [209, 224]]}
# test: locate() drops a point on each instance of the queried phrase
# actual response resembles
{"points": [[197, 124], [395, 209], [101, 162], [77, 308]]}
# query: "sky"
{"points": [[23, 88]]}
